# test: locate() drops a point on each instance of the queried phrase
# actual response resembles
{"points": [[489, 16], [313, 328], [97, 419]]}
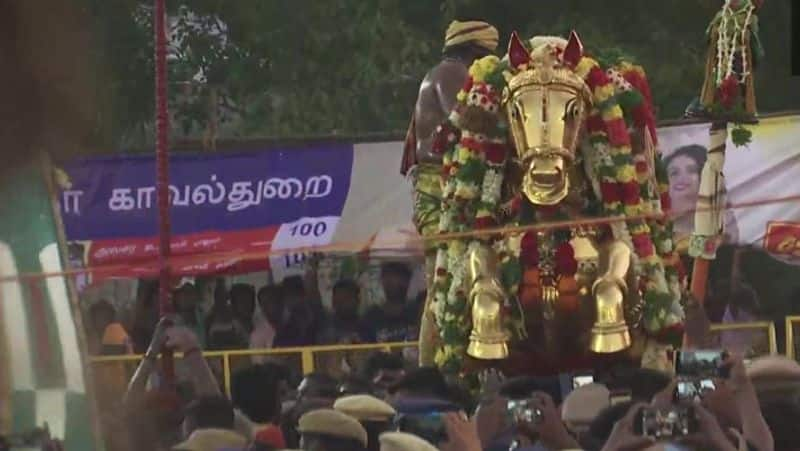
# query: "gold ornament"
{"points": [[546, 107], [488, 339]]}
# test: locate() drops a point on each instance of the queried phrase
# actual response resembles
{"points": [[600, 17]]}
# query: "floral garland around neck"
{"points": [[474, 148]]}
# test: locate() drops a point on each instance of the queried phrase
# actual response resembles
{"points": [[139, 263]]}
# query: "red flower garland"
{"points": [[728, 91], [529, 250], [565, 260], [630, 193]]}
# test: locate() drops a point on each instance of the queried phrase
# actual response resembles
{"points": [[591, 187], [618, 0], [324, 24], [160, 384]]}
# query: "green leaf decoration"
{"points": [[741, 136]]}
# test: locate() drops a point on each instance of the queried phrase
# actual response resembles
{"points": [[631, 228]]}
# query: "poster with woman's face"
{"points": [[760, 179], [684, 151]]}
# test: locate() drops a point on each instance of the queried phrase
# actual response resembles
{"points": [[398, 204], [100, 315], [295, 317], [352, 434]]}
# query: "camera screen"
{"points": [[699, 364], [665, 423], [687, 391], [580, 381], [522, 411]]}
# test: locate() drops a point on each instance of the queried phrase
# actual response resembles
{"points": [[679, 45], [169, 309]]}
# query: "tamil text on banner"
{"points": [[230, 208], [757, 178]]}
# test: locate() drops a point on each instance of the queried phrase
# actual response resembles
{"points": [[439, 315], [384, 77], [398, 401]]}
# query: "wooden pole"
{"points": [[162, 176]]}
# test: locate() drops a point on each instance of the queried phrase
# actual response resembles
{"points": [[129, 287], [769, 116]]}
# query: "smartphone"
{"points": [[579, 380], [429, 426], [522, 411], [701, 364], [666, 423]]}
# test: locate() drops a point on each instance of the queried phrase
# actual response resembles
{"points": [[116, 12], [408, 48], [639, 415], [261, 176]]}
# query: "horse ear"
{"points": [[517, 53], [573, 52]]}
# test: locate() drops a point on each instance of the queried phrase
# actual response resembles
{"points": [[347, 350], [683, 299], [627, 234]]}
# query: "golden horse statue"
{"points": [[547, 135]]}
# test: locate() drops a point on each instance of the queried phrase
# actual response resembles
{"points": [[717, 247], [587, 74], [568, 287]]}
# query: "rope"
{"points": [[356, 247]]}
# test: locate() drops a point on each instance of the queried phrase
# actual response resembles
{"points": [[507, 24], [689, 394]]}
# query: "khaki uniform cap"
{"points": [[365, 408], [583, 404], [212, 440], [332, 423], [401, 441]]}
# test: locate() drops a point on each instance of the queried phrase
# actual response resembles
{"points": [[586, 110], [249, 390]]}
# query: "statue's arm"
{"points": [[449, 80], [445, 82]]}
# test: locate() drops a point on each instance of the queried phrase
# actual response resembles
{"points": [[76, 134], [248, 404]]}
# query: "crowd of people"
{"points": [[287, 314], [387, 404]]}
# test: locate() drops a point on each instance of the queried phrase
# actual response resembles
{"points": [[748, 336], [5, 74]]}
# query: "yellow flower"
{"points": [[483, 213], [463, 154], [456, 248], [584, 66], [461, 96], [603, 93], [620, 150], [466, 190], [481, 68], [632, 210], [640, 228], [626, 173], [613, 113]]}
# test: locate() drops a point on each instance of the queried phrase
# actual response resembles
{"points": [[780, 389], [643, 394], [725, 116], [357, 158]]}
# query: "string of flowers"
{"points": [[734, 37], [473, 144], [474, 147], [621, 195]]}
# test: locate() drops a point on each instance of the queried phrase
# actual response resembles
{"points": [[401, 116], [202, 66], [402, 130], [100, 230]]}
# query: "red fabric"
{"points": [[495, 153], [409, 148], [484, 222], [594, 124], [272, 436], [565, 260], [547, 210], [529, 253]]}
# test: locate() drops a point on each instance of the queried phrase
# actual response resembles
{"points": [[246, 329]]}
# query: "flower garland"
{"points": [[734, 45], [474, 148], [621, 193]]}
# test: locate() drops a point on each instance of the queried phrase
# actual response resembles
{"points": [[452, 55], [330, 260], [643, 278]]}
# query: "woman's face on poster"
{"points": [[684, 182]]}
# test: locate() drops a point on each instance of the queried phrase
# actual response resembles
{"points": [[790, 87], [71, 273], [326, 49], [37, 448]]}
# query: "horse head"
{"points": [[546, 103]]}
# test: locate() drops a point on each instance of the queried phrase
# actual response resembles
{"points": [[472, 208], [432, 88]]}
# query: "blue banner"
{"points": [[113, 198]]}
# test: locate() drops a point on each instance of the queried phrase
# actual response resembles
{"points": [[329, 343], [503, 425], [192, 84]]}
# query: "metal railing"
{"points": [[765, 326], [791, 322], [307, 354]]}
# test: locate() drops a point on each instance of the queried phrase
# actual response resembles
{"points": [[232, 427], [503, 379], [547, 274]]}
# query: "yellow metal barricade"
{"points": [[767, 327], [307, 356], [791, 323]]}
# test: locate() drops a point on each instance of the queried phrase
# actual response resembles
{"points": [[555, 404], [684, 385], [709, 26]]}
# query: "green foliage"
{"points": [[300, 68]]}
